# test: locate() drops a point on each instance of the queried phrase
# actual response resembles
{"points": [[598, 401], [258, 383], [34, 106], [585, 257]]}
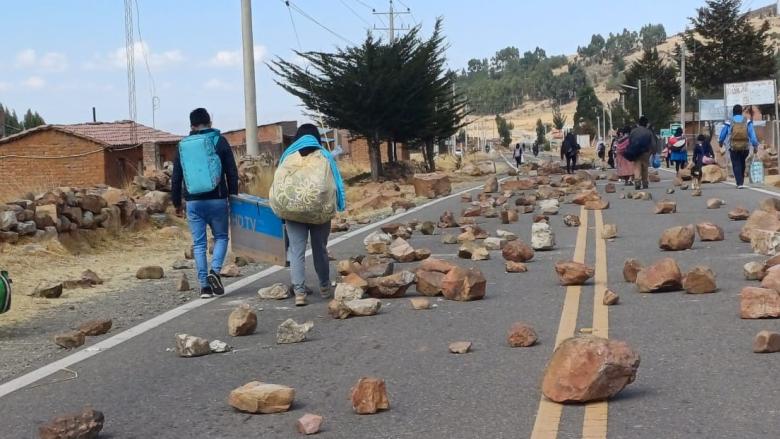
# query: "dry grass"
{"points": [[115, 259]]}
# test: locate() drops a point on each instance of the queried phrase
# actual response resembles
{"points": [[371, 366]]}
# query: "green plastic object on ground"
{"points": [[5, 292]]}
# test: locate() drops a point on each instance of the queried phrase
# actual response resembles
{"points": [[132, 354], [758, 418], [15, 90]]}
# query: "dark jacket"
{"points": [[641, 140], [228, 186], [569, 148], [698, 155]]}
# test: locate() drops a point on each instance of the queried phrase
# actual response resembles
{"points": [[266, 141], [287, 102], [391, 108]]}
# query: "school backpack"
{"points": [[739, 136], [5, 292], [200, 163]]}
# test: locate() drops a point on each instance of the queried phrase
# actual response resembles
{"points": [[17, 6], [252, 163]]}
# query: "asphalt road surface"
{"points": [[698, 377]]}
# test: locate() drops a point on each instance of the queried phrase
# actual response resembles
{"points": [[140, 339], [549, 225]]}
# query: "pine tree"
{"points": [[660, 88], [588, 110], [558, 120], [723, 47], [504, 129], [541, 140]]}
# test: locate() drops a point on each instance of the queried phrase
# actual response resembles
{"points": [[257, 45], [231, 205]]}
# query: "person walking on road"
{"points": [[678, 145], [205, 175], [738, 135], [517, 154], [625, 169], [641, 146], [298, 233], [698, 161], [569, 151], [535, 149]]}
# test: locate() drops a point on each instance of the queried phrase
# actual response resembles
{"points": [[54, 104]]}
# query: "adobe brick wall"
{"points": [[356, 152], [29, 174], [122, 165]]}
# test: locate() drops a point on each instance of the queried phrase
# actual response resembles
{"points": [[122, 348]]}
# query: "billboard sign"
{"points": [[750, 93], [712, 109]]}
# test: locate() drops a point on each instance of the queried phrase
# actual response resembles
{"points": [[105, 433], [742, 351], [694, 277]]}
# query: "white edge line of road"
{"points": [[755, 189], [143, 327]]}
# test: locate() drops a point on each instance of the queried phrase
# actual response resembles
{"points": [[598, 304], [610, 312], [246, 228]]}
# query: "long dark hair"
{"points": [[310, 130]]}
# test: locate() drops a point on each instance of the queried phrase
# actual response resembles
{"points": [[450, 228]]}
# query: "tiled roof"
{"points": [[109, 134]]}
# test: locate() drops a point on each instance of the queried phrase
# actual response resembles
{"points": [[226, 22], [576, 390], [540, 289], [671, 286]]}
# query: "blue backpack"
{"points": [[200, 163]]}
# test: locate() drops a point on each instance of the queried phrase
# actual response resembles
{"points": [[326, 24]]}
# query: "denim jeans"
{"points": [[738, 159], [214, 214], [298, 234]]}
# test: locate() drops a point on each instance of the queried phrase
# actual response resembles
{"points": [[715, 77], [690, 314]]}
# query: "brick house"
{"points": [[81, 155], [271, 138], [356, 150]]}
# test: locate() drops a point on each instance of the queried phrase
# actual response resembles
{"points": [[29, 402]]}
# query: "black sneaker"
{"points": [[637, 185], [206, 293], [215, 282]]}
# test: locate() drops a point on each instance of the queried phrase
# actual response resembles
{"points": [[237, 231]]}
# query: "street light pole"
{"points": [[682, 87], [639, 88]]}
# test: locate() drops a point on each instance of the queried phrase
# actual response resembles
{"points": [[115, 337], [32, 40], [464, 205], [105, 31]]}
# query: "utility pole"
{"points": [[391, 21], [639, 88], [682, 87], [250, 98]]}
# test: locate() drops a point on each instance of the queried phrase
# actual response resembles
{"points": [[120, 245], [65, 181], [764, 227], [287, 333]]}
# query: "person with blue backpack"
{"points": [[205, 175], [737, 136]]}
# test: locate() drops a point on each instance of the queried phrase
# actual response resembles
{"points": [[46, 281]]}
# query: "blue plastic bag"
{"points": [[655, 161], [757, 171]]}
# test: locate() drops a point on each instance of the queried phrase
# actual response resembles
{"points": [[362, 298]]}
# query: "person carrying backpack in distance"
{"points": [[306, 193], [569, 150], [641, 145], [205, 175], [737, 136]]}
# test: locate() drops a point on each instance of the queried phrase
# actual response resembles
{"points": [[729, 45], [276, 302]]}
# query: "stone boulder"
{"points": [[754, 271], [521, 335], [377, 242], [156, 201], [760, 220], [709, 232], [48, 290], [630, 270], [677, 238], [739, 214], [715, 203], [292, 332], [712, 174], [276, 291], [95, 327], [150, 272], [665, 206], [589, 368], [431, 185], [309, 424], [765, 242], [700, 280], [584, 197], [542, 237], [401, 251], [258, 397], [369, 395], [571, 220], [610, 298], [609, 231], [447, 220], [515, 267], [597, 205], [84, 425], [517, 251], [663, 275], [766, 342], [190, 346], [69, 339], [759, 303], [392, 286], [242, 321], [491, 185], [573, 273], [463, 284], [363, 307]]}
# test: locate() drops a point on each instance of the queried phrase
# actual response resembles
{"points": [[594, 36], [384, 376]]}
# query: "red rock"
{"points": [[677, 238], [491, 185], [509, 216], [589, 368], [630, 269], [663, 275], [369, 396], [434, 264], [69, 339], [464, 284], [771, 279], [84, 425], [392, 286], [95, 327], [766, 342], [665, 207], [760, 220], [431, 185], [700, 280], [309, 424], [429, 283], [739, 214], [597, 205], [709, 232], [541, 218], [517, 251], [584, 197], [759, 303], [573, 273], [521, 335], [522, 184], [401, 251]]}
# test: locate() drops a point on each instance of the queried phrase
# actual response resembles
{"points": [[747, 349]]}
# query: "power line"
{"points": [[152, 85], [355, 13], [414, 19], [314, 20]]}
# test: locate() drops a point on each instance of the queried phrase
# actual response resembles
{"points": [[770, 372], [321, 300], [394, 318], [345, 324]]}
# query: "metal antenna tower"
{"points": [[130, 55]]}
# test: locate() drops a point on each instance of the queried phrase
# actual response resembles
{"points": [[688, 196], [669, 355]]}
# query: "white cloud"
{"points": [[48, 61], [117, 59], [218, 84], [234, 58], [34, 82]]}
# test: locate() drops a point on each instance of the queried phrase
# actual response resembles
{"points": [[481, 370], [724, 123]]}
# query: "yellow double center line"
{"points": [[548, 417]]}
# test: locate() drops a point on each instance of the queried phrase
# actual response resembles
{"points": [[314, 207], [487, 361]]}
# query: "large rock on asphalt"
{"points": [[709, 232], [369, 395], [700, 280], [191, 346], [309, 424], [276, 291], [765, 242], [447, 220], [630, 269], [491, 185], [609, 231], [712, 174], [759, 303], [69, 339], [363, 307], [377, 242], [571, 220], [715, 203], [583, 197], [392, 286], [463, 284], [597, 205], [258, 397], [542, 237], [84, 425], [292, 332], [766, 342], [677, 238], [347, 291], [549, 207], [760, 220], [663, 275], [739, 214], [754, 271], [517, 251], [150, 272], [610, 298], [589, 368], [242, 321], [494, 243], [401, 251], [573, 273], [431, 185], [665, 206], [521, 334], [95, 327]]}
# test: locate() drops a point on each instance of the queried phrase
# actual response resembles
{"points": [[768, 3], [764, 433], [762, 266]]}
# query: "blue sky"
{"points": [[64, 57]]}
